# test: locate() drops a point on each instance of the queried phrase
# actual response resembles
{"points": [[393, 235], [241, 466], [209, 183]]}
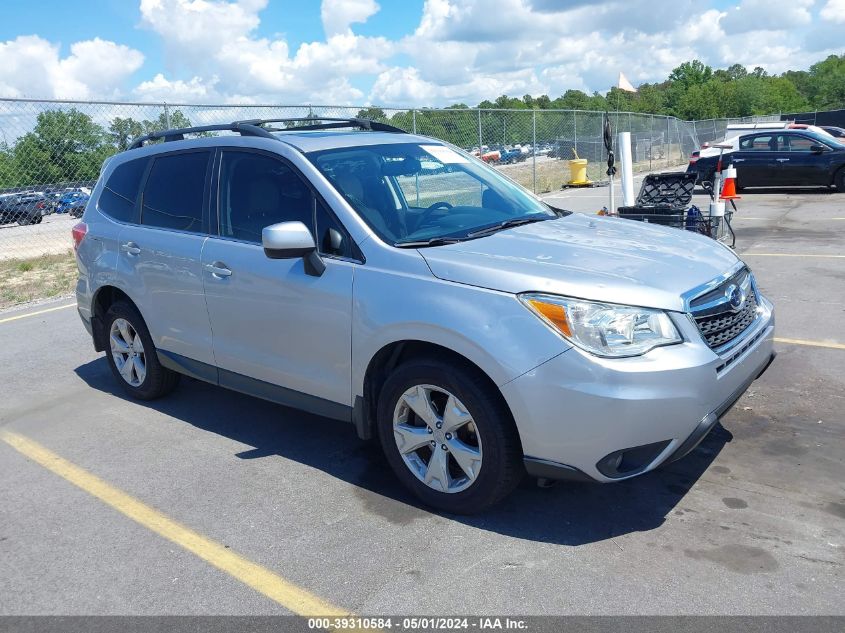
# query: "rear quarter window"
{"points": [[120, 192]]}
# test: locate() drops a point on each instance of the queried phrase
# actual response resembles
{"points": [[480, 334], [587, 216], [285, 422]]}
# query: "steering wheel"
{"points": [[429, 211]]}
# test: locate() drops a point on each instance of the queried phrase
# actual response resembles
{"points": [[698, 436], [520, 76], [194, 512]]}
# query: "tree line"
{"points": [[68, 146], [694, 91]]}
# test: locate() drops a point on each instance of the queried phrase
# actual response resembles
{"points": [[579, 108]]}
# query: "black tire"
{"points": [[840, 180], [501, 468], [159, 381]]}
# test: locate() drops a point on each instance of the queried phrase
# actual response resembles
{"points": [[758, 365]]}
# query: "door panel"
{"points": [[161, 257], [756, 161], [164, 277], [755, 169], [273, 322], [803, 167], [270, 320]]}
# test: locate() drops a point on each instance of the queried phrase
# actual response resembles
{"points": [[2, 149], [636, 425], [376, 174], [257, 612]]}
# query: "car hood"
{"points": [[590, 257]]}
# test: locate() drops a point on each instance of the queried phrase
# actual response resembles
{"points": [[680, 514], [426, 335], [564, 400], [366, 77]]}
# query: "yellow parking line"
{"points": [[791, 255], [32, 314], [259, 578], [801, 341]]}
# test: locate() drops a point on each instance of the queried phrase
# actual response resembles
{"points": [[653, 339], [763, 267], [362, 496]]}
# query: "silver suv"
{"points": [[350, 269]]}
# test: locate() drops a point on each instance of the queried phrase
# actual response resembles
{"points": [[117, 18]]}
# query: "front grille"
{"points": [[724, 327], [717, 320]]}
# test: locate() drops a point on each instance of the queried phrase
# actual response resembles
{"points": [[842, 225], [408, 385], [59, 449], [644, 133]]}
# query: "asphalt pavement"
{"points": [[752, 522]]}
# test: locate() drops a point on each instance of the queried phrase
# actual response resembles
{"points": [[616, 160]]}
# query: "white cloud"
{"points": [[216, 37], [30, 66], [405, 86], [834, 11], [339, 15], [465, 45], [767, 15], [160, 89], [459, 50]]}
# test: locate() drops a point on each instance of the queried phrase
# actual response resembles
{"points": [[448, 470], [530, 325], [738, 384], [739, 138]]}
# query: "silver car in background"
{"points": [[395, 282]]}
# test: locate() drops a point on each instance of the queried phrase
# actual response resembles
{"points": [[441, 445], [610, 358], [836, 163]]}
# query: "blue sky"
{"points": [[389, 52]]}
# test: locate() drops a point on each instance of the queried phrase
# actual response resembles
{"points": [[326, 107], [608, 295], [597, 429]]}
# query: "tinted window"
{"points": [[762, 143], [174, 193], [257, 191], [795, 143], [121, 191]]}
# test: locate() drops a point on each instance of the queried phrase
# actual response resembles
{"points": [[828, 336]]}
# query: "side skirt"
{"points": [[254, 387]]}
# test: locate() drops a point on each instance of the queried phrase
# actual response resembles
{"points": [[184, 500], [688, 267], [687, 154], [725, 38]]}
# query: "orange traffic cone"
{"points": [[729, 188]]}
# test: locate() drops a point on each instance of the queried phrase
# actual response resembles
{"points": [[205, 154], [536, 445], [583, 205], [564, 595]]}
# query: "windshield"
{"points": [[425, 192], [826, 138]]}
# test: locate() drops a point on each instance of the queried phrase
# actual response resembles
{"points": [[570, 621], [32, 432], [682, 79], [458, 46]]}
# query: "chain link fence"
{"points": [[51, 151]]}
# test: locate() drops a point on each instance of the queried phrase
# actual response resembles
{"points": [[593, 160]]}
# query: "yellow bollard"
{"points": [[578, 170]]}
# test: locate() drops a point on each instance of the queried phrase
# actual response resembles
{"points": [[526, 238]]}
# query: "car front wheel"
{"points": [[840, 180], [448, 436]]}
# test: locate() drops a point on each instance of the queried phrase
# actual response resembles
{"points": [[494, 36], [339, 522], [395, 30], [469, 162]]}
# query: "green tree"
{"points": [[731, 73], [692, 73], [64, 146], [8, 171], [123, 131], [374, 114], [826, 83], [176, 120]]}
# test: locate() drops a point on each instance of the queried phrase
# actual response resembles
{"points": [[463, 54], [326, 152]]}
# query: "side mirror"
{"points": [[817, 149], [291, 240]]}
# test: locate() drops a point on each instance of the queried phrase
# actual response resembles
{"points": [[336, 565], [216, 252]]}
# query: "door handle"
{"points": [[737, 160], [782, 160], [218, 269], [131, 248]]}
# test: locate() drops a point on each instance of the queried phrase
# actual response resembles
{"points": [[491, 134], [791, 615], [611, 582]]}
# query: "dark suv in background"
{"points": [[23, 208], [780, 158]]}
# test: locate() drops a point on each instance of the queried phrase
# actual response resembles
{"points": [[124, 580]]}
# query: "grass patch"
{"points": [[23, 280]]}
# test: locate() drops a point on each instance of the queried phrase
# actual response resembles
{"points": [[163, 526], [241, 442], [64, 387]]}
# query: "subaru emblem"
{"points": [[735, 297]]}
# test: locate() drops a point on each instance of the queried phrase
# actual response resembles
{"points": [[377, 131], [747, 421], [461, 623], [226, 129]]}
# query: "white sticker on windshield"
{"points": [[445, 155]]}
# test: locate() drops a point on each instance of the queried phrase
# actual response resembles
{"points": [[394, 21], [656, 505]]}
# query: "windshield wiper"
{"points": [[488, 230], [434, 241]]}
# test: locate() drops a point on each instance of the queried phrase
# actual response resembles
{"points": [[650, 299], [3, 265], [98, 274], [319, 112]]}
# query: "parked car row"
{"points": [[24, 208], [30, 207], [504, 155]]}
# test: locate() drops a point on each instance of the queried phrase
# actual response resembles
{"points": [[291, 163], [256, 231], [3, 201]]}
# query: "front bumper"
{"points": [[578, 414]]}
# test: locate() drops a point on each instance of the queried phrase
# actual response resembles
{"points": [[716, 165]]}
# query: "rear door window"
{"points": [[120, 193], [174, 196], [759, 143]]}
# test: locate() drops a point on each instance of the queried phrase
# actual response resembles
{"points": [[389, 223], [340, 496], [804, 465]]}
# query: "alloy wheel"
{"points": [[437, 438], [127, 351]]}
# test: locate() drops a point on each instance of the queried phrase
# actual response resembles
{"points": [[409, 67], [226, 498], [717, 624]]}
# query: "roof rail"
{"points": [[313, 123], [245, 128]]}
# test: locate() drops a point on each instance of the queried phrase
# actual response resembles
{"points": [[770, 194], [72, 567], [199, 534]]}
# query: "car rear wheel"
{"points": [[132, 355], [448, 437]]}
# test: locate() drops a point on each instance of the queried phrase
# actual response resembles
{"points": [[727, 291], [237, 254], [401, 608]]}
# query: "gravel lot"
{"points": [[750, 523], [51, 237]]}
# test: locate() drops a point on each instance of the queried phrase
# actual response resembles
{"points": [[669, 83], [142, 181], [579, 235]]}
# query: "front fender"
{"points": [[492, 329]]}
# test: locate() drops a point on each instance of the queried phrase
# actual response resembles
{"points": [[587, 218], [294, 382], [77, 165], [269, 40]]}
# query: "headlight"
{"points": [[604, 329]]}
